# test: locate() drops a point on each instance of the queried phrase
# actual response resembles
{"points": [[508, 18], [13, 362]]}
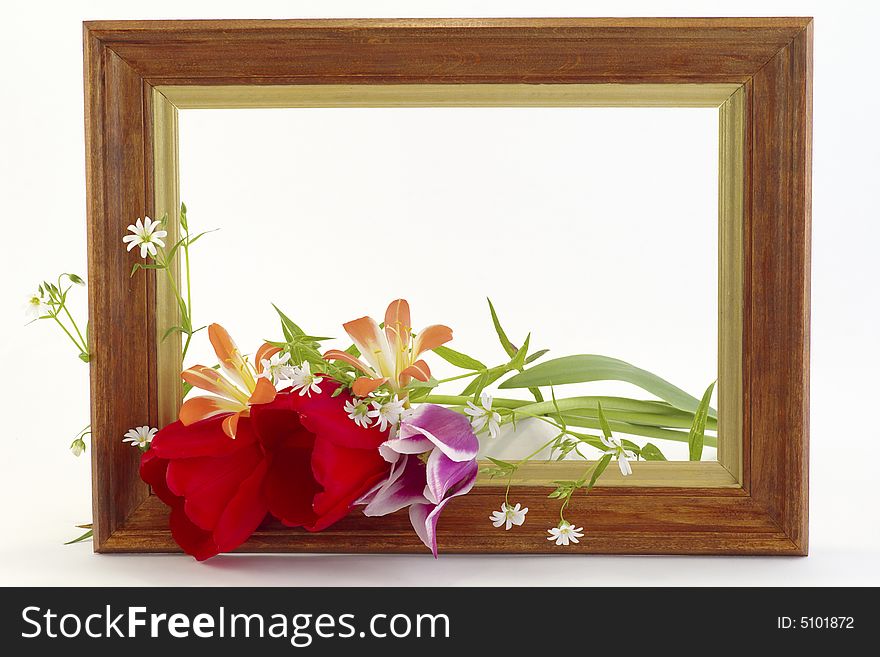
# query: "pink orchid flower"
{"points": [[434, 459], [392, 355]]}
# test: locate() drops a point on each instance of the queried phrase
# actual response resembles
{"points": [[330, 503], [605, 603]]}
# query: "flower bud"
{"points": [[77, 447]]}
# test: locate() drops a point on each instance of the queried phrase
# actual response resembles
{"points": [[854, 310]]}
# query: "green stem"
{"points": [[580, 483], [188, 295], [69, 334], [75, 327], [185, 347], [459, 400], [181, 304], [460, 376]]}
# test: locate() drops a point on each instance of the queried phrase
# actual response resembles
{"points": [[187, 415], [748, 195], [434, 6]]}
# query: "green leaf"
{"points": [[501, 469], [500, 463], [697, 435], [288, 326], [650, 452], [459, 359], [491, 376], [193, 240], [647, 412], [634, 429], [170, 331], [583, 368], [141, 265], [73, 278], [598, 470], [183, 222], [84, 357], [418, 394], [79, 539], [519, 360], [479, 383], [509, 349], [603, 421], [535, 356]]}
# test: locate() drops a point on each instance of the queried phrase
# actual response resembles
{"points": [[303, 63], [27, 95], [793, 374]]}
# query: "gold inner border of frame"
{"points": [[727, 471]]}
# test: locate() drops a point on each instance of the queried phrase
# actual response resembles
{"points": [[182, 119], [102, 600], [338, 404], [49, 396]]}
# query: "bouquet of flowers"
{"points": [[306, 434]]}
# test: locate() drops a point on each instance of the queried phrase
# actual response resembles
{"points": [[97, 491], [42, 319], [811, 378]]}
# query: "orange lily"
{"points": [[235, 391], [392, 355]]}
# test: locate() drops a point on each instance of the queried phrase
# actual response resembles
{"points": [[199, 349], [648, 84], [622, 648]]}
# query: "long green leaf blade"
{"points": [[659, 433], [603, 421], [590, 367], [649, 413], [79, 539], [459, 359], [598, 470], [509, 349], [650, 452], [697, 435]]}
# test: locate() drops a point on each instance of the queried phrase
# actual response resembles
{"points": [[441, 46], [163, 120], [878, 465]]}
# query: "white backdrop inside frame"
{"points": [[595, 229]]}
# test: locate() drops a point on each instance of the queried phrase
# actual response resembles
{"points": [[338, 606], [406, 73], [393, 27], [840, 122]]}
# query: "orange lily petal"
{"points": [[230, 356], [263, 393], [336, 354], [398, 323], [265, 352], [199, 408], [371, 342], [230, 425], [206, 378], [418, 370], [364, 385], [431, 338]]}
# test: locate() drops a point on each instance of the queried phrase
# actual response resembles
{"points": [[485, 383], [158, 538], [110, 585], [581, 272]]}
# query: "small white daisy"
{"points": [[481, 417], [387, 414], [358, 410], [140, 436], [35, 307], [565, 533], [277, 368], [77, 447], [509, 515], [302, 379], [145, 235], [618, 451]]}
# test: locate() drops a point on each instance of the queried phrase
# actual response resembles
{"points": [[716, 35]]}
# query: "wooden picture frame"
{"points": [[757, 71]]}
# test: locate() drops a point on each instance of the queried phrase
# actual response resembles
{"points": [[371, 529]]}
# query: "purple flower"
{"points": [[426, 485]]}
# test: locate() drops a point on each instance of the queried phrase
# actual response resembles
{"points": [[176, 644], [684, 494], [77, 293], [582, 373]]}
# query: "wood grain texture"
{"points": [[778, 292], [771, 58], [492, 51], [122, 384]]}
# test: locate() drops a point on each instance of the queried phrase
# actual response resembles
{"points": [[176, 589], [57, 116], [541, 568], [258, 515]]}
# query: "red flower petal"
{"points": [[325, 416], [204, 438], [192, 539], [345, 475], [153, 471], [208, 484], [290, 486], [244, 513]]}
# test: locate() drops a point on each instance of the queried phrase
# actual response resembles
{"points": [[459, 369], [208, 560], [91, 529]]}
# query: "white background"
{"points": [[594, 229], [46, 490]]}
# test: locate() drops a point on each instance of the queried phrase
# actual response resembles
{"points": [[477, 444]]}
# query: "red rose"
{"points": [[299, 458]]}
